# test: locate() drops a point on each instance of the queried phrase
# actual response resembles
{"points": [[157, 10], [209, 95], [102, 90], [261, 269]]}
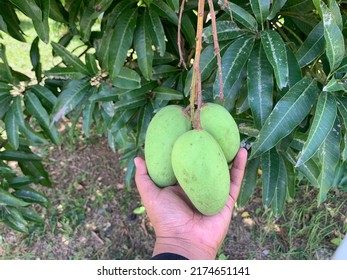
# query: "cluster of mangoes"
{"points": [[196, 158]]}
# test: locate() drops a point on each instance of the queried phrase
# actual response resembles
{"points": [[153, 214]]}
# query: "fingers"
{"points": [[147, 189], [237, 172]]}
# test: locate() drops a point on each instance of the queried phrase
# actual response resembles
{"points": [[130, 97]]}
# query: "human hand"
{"points": [[178, 226]]}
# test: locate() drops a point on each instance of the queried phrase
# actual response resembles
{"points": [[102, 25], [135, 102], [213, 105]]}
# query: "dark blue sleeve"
{"points": [[168, 256]]}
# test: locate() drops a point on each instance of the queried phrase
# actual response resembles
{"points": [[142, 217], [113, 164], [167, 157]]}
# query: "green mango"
{"points": [[202, 171], [164, 129], [217, 121]]}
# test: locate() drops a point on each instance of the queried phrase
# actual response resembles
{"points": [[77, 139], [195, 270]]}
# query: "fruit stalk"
{"points": [[179, 37], [196, 91]]}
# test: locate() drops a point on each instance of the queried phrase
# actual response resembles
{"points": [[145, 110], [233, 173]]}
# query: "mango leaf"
{"points": [[322, 124], [290, 178], [35, 108], [275, 8], [5, 101], [249, 182], [19, 156], [130, 104], [226, 30], [121, 41], [243, 17], [164, 93], [143, 48], [335, 10], [342, 106], [69, 98], [288, 113], [88, 111], [120, 8], [6, 69], [30, 8], [127, 79], [299, 6], [30, 195], [155, 27], [233, 61], [188, 29], [261, 9], [162, 9], [35, 169], [35, 58], [174, 4], [91, 64], [15, 224], [313, 46], [31, 215], [278, 201], [335, 44], [260, 85], [42, 26], [334, 85], [329, 155], [47, 98], [70, 59], [309, 169], [12, 129], [57, 12], [144, 118], [271, 173], [17, 182], [275, 51], [10, 19], [8, 199], [294, 70]]}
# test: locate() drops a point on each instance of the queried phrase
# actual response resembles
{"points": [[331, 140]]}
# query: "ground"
{"points": [[93, 216]]}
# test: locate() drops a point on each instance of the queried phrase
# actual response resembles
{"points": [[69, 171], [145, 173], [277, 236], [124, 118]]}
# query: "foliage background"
{"points": [[284, 73]]}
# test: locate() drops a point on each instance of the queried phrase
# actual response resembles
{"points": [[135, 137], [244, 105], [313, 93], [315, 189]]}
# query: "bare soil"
{"points": [[92, 217]]}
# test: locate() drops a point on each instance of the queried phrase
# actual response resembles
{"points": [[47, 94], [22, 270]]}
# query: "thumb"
{"points": [[147, 189]]}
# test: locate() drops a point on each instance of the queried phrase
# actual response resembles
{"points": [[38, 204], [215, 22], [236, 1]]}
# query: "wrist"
{"points": [[186, 248]]}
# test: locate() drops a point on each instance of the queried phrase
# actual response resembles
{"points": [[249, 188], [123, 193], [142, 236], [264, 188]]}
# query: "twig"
{"points": [[216, 47], [179, 43], [196, 92]]}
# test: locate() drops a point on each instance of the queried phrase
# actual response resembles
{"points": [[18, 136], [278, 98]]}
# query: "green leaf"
{"points": [[12, 129], [233, 61], [30, 195], [127, 79], [174, 4], [130, 104], [6, 70], [162, 9], [121, 41], [35, 108], [5, 101], [275, 8], [30, 8], [260, 85], [17, 182], [47, 98], [8, 199], [70, 59], [313, 46], [10, 18], [261, 9], [35, 58], [249, 182], [337, 14], [31, 215], [42, 26], [334, 85], [165, 93], [15, 224], [226, 30], [129, 175], [163, 71], [271, 173], [294, 74], [144, 119], [243, 17], [156, 30], [290, 178], [329, 155], [335, 44], [143, 48], [18, 156], [322, 124], [342, 106], [92, 66], [278, 201], [299, 6], [188, 29], [275, 50], [288, 113], [88, 111], [69, 98], [57, 12], [35, 169]]}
